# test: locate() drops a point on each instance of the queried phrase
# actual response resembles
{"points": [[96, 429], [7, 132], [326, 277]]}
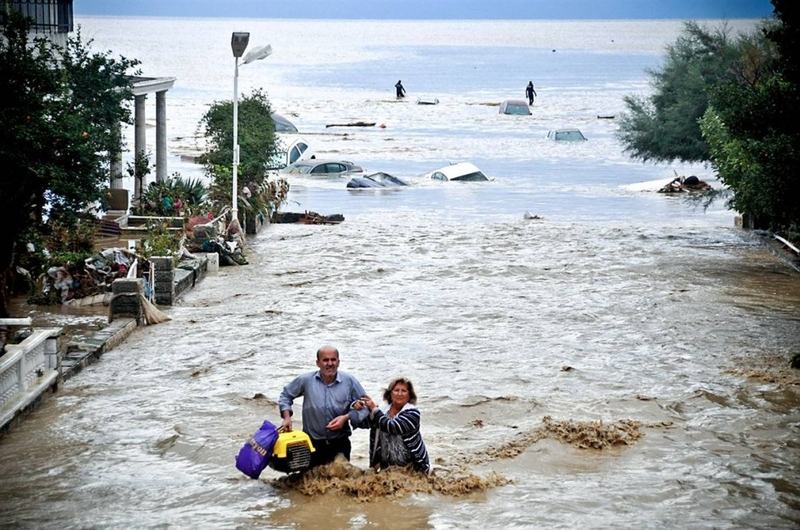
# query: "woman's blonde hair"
{"points": [[412, 396]]}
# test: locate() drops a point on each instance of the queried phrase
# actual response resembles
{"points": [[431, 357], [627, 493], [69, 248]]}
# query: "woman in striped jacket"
{"points": [[394, 436]]}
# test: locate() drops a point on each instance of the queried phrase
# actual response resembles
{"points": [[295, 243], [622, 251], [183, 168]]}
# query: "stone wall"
{"points": [[126, 299]]}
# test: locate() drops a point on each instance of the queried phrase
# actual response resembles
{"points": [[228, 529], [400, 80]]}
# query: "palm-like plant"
{"points": [[174, 196]]}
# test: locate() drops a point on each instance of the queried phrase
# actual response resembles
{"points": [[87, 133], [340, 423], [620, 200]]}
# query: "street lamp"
{"points": [[239, 40]]}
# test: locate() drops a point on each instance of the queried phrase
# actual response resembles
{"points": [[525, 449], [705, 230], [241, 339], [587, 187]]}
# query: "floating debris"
{"points": [[682, 184], [307, 218], [353, 124]]}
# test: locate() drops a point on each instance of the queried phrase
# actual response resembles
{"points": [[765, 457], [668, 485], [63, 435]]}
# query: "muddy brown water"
{"points": [[677, 411], [568, 375]]}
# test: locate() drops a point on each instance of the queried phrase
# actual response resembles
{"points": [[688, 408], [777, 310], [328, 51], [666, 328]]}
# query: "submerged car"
{"points": [[282, 125], [376, 180], [324, 168], [297, 150], [516, 107], [292, 149], [566, 135], [462, 172]]}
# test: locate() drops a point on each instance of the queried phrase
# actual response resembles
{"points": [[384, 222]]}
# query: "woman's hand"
{"points": [[368, 403]]}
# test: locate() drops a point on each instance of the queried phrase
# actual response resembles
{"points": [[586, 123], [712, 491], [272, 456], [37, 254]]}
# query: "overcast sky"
{"points": [[432, 9]]}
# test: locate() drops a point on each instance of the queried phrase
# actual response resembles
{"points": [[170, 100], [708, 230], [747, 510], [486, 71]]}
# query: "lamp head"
{"points": [[256, 54], [239, 40]]}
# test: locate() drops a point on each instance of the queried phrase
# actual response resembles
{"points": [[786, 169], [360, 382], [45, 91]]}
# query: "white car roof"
{"points": [[457, 170]]}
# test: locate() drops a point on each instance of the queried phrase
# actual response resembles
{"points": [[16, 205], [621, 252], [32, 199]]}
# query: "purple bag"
{"points": [[254, 455]]}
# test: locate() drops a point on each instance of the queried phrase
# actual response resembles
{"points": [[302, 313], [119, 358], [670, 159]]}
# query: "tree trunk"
{"points": [[6, 272]]}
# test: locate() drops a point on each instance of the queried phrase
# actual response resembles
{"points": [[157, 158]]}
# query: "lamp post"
{"points": [[239, 41]]}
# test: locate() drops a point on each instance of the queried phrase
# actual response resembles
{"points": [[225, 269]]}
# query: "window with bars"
{"points": [[47, 16]]}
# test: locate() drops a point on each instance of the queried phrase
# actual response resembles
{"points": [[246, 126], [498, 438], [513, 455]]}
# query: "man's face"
{"points": [[328, 363]]}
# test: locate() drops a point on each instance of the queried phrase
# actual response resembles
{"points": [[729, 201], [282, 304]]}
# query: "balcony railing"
{"points": [[27, 370], [47, 16]]}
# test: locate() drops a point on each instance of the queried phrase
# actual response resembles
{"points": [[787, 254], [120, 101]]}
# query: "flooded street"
{"points": [[483, 318], [627, 321]]}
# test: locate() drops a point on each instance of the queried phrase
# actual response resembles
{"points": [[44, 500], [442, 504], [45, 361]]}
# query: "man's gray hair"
{"points": [[327, 347]]}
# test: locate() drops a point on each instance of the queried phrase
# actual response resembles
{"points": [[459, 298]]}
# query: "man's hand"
{"points": [[287, 424], [337, 423]]}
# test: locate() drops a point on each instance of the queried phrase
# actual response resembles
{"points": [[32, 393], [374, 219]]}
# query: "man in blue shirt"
{"points": [[327, 398]]}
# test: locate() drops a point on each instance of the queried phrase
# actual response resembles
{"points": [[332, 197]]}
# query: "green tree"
{"points": [[733, 102], [58, 122], [753, 129], [258, 146], [257, 141], [664, 126]]}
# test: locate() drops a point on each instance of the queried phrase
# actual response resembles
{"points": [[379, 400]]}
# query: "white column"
{"points": [[140, 141], [161, 136], [116, 162]]}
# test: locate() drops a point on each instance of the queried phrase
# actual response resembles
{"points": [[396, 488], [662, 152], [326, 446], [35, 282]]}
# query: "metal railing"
{"points": [[47, 16]]}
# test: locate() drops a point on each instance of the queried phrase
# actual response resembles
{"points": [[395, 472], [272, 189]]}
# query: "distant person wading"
{"points": [[401, 92], [530, 93]]}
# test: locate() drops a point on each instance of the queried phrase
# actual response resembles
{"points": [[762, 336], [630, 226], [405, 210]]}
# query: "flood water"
{"points": [[617, 306]]}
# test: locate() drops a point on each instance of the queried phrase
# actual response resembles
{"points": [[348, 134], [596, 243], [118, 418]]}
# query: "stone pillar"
{"points": [[163, 284], [53, 359], [116, 162], [212, 258], [140, 141], [126, 299], [161, 136]]}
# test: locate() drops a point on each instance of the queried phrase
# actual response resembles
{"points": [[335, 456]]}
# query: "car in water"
{"points": [[291, 149], [297, 150], [461, 172], [566, 135], [427, 100], [282, 125], [515, 107], [376, 180], [323, 168]]}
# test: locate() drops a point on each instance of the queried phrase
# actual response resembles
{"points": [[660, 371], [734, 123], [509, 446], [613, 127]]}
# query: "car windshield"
{"points": [[569, 136], [300, 169], [472, 177], [518, 110]]}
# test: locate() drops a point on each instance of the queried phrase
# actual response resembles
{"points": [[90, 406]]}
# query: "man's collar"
{"points": [[336, 379]]}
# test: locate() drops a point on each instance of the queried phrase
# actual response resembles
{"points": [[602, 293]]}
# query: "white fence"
{"points": [[27, 370]]}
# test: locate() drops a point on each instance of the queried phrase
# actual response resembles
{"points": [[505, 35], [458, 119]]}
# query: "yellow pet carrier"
{"points": [[292, 452]]}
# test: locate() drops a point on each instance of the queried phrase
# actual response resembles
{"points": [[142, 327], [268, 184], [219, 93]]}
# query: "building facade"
{"points": [[49, 18]]}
